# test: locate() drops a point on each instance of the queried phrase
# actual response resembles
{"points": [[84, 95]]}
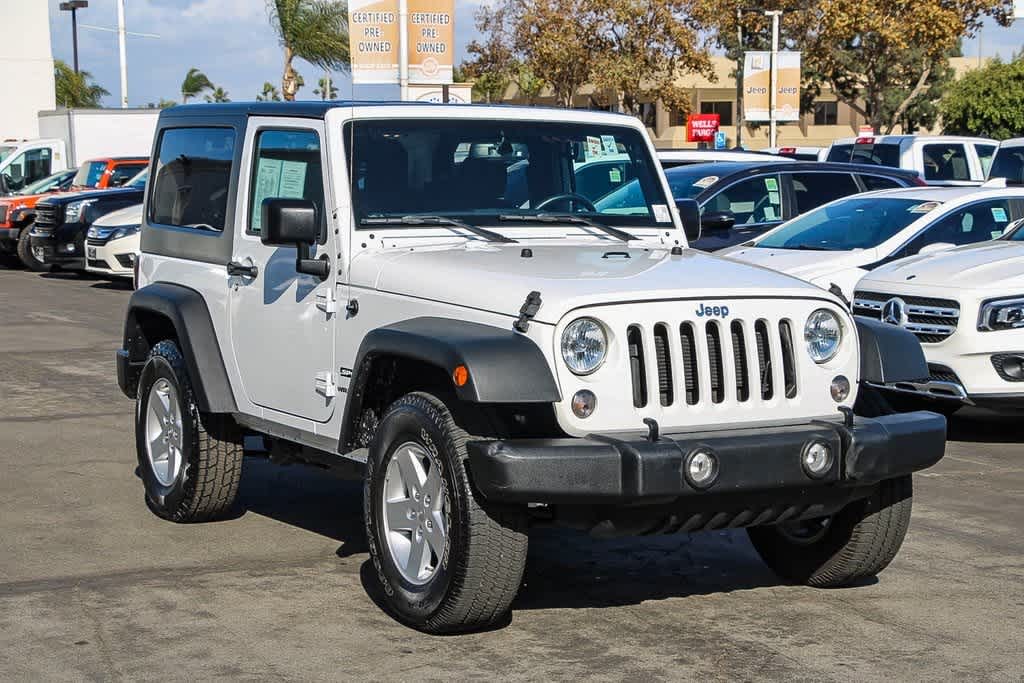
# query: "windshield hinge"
{"points": [[528, 310], [324, 384], [326, 302]]}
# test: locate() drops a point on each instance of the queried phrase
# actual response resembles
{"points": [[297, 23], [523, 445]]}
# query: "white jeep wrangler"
{"points": [[429, 292]]}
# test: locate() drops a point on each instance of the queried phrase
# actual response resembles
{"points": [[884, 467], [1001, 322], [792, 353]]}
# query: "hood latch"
{"points": [[528, 310]]}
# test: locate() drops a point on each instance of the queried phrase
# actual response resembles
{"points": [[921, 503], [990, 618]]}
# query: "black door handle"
{"points": [[236, 268]]}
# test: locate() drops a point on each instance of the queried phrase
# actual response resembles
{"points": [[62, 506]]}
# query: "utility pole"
{"points": [[773, 96], [73, 6], [739, 77], [123, 52]]}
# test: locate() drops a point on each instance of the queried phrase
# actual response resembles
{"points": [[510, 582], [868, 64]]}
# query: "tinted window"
{"points": [[877, 182], [123, 173], [974, 223], [594, 181], [56, 181], [814, 189], [1009, 164], [287, 166], [985, 154], [488, 169], [887, 154], [945, 162], [89, 174], [752, 201], [27, 168], [826, 113], [192, 177], [686, 182], [852, 223]]}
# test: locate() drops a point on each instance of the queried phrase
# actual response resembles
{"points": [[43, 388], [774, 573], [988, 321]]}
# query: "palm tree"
{"points": [[326, 91], [219, 94], [269, 94], [195, 82], [313, 30], [75, 89]]}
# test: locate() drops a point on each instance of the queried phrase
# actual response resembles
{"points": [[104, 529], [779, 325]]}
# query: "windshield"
{"points": [[482, 170], [55, 181], [5, 152], [685, 182], [848, 224], [89, 174], [867, 153], [1009, 164], [138, 180]]}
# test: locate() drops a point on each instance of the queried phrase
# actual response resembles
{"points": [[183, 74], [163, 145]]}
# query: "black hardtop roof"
{"points": [[724, 169], [312, 109]]}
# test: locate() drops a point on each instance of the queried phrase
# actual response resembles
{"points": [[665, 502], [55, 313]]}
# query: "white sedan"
{"points": [[840, 242], [112, 243], [966, 305]]}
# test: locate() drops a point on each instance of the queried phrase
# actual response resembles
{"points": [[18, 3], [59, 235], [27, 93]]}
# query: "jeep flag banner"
{"points": [[757, 80], [701, 127], [373, 38], [431, 38]]}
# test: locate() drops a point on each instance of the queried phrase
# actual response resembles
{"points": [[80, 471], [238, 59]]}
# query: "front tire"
{"points": [[28, 259], [856, 543], [445, 562], [190, 462]]}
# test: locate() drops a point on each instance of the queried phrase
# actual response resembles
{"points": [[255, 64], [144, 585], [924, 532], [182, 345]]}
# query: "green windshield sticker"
{"points": [[996, 234], [769, 213], [773, 197], [999, 214], [771, 184], [614, 176]]}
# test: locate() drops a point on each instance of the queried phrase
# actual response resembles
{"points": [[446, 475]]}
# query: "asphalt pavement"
{"points": [[94, 587]]}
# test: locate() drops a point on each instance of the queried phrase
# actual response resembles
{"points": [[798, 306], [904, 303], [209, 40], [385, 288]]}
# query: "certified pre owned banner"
{"points": [[757, 80], [373, 38], [431, 36]]}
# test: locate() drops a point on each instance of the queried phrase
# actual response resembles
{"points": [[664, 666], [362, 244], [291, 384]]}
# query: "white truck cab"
{"points": [[940, 159], [426, 292]]}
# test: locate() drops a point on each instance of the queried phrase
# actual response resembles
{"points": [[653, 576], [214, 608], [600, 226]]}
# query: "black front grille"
{"points": [[764, 362], [910, 300], [664, 362], [940, 373], [636, 366], [715, 362], [689, 351], [48, 217], [739, 359], [788, 359], [96, 263], [95, 242]]}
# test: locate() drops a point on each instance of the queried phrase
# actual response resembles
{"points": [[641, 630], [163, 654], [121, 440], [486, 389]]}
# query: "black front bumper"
{"points": [[53, 255], [10, 234], [760, 462]]}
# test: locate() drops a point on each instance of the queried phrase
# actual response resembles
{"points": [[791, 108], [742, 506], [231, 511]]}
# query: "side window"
{"points": [[975, 223], [877, 182], [192, 177], [286, 165], [752, 201], [985, 154], [27, 168], [123, 173], [814, 189], [945, 161]]}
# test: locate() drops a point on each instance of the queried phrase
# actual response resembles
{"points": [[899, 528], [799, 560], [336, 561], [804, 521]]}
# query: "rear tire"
{"points": [[856, 543], [190, 462], [446, 561], [25, 254]]}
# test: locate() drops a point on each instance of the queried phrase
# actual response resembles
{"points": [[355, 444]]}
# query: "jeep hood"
{"points": [[806, 265], [497, 278], [986, 265]]}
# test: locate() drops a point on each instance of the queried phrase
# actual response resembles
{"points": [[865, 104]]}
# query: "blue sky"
{"points": [[232, 42]]}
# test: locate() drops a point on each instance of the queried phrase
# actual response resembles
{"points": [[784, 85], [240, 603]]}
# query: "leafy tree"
{"points": [[219, 94], [987, 101], [529, 84], [559, 41], [270, 93], [162, 104], [76, 89], [194, 84], [326, 89], [313, 30]]}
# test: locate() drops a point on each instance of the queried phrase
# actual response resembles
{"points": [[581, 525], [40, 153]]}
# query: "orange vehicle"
{"points": [[17, 212]]}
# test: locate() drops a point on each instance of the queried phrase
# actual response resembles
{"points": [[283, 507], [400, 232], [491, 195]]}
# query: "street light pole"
{"points": [[73, 6], [739, 77], [773, 95]]}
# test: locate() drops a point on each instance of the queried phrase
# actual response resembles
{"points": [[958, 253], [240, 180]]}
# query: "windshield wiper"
{"points": [[570, 218], [808, 247], [488, 235]]}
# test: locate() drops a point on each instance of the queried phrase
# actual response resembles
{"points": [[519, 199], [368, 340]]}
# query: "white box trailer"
{"points": [[69, 137]]}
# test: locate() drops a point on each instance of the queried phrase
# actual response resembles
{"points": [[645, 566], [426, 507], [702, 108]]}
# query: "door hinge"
{"points": [[324, 383], [326, 302]]}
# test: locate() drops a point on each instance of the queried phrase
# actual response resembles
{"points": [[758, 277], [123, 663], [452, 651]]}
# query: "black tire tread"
{"points": [[24, 250]]}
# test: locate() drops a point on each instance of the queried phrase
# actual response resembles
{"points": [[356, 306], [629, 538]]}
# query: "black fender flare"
{"points": [[504, 366], [889, 353], [186, 312]]}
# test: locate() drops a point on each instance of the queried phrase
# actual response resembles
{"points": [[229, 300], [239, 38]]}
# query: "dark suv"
{"points": [[741, 200], [62, 221]]}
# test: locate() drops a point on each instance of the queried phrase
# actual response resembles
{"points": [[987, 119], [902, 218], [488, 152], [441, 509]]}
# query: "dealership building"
{"points": [[827, 120]]}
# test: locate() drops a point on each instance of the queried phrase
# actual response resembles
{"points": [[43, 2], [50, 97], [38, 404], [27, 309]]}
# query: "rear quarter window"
{"points": [[191, 178]]}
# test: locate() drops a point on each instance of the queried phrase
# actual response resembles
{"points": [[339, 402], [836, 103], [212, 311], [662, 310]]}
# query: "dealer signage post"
{"points": [[757, 86], [374, 36]]}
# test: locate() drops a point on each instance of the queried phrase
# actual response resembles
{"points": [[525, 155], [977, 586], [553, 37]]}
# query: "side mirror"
{"points": [[718, 221], [294, 223], [935, 246], [689, 213]]}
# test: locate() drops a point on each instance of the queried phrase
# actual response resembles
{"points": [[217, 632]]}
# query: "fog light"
{"points": [[840, 388], [701, 468], [817, 459], [68, 247], [583, 403]]}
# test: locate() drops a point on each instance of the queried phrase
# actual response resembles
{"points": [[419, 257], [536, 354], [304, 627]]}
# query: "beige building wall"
{"points": [[26, 67], [668, 127]]}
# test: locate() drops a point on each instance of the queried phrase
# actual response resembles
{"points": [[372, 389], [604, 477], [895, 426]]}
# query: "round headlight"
{"points": [[823, 334], [584, 346]]}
